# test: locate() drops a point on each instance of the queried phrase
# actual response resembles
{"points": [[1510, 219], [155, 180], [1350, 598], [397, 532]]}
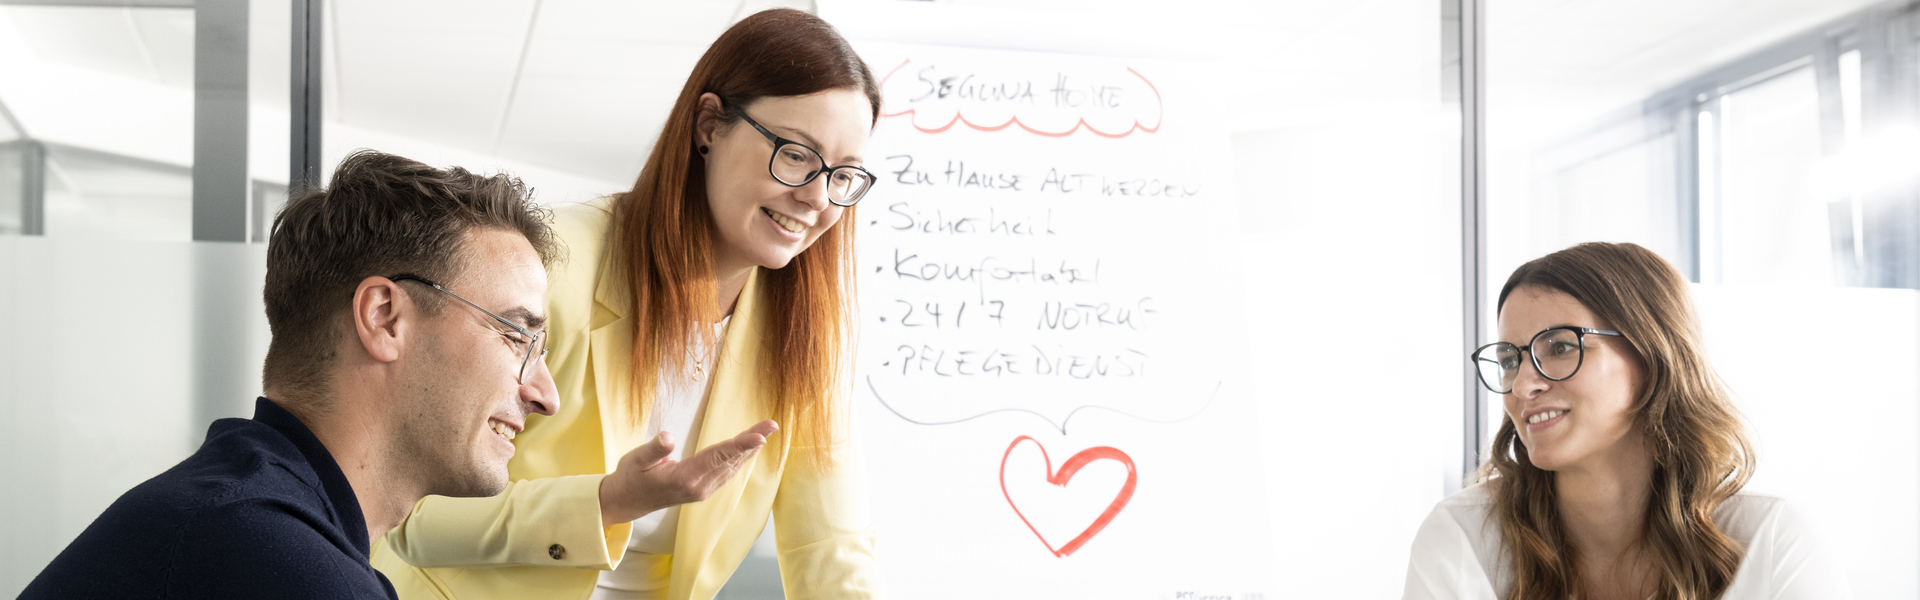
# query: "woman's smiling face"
{"points": [[1588, 417], [760, 221]]}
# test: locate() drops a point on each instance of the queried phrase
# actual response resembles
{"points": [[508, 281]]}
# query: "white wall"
{"points": [[1829, 380]]}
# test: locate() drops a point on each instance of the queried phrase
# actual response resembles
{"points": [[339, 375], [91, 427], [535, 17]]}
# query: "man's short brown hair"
{"points": [[381, 215]]}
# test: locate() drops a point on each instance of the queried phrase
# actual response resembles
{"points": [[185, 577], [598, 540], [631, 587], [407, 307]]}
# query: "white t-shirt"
{"points": [[1457, 555], [680, 400]]}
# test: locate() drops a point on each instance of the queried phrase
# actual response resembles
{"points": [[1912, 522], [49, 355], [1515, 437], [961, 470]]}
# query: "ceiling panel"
{"points": [[485, 18], [490, 61], [582, 108], [149, 44], [437, 87], [596, 79], [695, 22], [598, 128], [437, 71], [555, 56], [593, 104], [469, 124], [616, 160]]}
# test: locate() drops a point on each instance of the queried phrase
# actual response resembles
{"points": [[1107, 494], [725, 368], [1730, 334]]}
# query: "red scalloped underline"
{"points": [[1159, 119]]}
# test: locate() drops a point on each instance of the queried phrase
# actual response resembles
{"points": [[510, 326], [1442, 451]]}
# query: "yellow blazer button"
{"points": [[557, 551]]}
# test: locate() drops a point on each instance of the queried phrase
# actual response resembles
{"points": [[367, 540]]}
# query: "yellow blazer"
{"points": [[542, 538]]}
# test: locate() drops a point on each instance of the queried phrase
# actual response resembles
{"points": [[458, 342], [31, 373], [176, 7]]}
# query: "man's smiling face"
{"points": [[463, 398]]}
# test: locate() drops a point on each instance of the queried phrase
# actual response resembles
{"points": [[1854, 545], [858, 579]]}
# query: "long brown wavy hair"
{"points": [[663, 229], [1698, 443]]}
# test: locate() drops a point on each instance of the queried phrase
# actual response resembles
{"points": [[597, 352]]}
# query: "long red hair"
{"points": [[663, 230]]}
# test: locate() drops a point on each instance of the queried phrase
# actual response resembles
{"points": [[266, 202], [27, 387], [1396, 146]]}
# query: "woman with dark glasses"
{"points": [[698, 330], [1618, 469]]}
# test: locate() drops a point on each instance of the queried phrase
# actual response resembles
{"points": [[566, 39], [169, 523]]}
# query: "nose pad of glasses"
{"points": [[536, 354], [538, 388]]}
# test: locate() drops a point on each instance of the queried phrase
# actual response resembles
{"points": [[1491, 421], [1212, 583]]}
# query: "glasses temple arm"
{"points": [[503, 320]]}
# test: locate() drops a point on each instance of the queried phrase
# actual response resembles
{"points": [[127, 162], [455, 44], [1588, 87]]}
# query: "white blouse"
{"points": [[1457, 555], [680, 400]]}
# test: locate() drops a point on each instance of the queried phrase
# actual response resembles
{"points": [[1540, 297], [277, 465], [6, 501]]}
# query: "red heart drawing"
{"points": [[1061, 477]]}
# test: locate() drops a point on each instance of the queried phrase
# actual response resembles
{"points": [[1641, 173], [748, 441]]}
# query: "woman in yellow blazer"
{"points": [[728, 240]]}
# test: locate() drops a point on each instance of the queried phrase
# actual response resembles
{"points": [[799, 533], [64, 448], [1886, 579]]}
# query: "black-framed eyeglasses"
{"points": [[536, 342], [1556, 354], [795, 164]]}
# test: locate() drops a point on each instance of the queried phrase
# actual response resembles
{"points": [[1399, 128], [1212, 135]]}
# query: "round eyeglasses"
{"points": [[1556, 353], [536, 342], [795, 164]]}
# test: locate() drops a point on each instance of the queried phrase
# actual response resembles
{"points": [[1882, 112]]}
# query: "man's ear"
{"points": [[382, 317], [707, 117]]}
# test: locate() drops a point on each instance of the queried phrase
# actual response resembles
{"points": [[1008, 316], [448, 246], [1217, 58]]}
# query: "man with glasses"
{"points": [[383, 385]]}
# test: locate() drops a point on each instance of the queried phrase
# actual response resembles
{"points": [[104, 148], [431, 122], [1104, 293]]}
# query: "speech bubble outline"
{"points": [[959, 115]]}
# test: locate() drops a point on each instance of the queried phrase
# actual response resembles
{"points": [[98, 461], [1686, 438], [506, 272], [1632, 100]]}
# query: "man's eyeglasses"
{"points": [[795, 165], [1557, 353], [536, 342]]}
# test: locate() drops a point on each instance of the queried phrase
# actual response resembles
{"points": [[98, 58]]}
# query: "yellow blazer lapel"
{"points": [[734, 403], [610, 349]]}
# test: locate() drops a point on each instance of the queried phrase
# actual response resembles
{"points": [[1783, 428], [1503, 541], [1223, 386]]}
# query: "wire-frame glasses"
{"points": [[535, 342]]}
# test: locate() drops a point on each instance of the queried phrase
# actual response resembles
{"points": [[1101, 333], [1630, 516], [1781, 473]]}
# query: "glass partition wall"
{"points": [[1768, 151], [143, 148]]}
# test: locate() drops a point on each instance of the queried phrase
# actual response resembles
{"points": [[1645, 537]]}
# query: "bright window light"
{"points": [[1875, 162]]}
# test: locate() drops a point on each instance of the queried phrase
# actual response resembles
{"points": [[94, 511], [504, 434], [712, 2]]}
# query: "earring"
{"points": [[703, 150]]}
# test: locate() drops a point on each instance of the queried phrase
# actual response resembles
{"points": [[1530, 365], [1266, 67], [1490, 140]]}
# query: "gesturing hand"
{"points": [[645, 480]]}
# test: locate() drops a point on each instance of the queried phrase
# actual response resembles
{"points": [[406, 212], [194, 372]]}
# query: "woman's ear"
{"points": [[707, 119]]}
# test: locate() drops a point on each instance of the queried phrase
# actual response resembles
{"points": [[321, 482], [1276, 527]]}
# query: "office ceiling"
{"points": [[580, 86], [577, 85], [1556, 64], [1640, 42]]}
